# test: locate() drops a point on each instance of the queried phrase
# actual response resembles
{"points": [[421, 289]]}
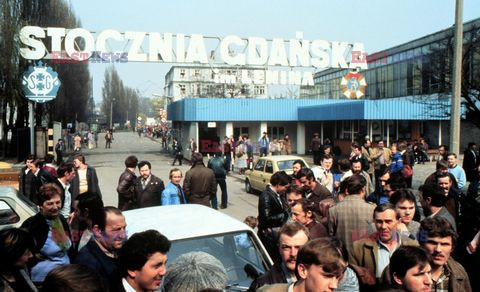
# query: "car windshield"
{"points": [[27, 202], [237, 252], [285, 164]]}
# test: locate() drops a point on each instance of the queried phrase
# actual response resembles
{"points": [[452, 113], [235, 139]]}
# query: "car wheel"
{"points": [[248, 187]]}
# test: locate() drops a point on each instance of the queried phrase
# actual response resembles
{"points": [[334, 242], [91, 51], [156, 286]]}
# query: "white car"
{"points": [[14, 208], [193, 227]]}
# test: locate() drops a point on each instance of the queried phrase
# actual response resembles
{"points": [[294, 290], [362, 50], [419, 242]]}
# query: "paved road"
{"points": [[109, 164]]}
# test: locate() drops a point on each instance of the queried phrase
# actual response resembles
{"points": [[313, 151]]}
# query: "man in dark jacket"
{"points": [[85, 180], [199, 184], [471, 165], [100, 253], [292, 236], [25, 178], [316, 148], [40, 177], [126, 185], [273, 211], [148, 188], [217, 164]]}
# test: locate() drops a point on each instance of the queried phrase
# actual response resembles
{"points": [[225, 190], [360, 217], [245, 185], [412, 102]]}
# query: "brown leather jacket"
{"points": [[199, 185]]}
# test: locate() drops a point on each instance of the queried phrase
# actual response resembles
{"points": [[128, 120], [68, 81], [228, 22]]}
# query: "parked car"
{"points": [[194, 227], [14, 208], [259, 177]]}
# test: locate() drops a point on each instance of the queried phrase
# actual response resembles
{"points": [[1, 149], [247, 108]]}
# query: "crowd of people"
{"points": [[351, 224], [75, 242], [386, 235]]}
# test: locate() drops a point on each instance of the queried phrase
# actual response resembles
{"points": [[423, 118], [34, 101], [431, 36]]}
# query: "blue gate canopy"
{"points": [[292, 110], [405, 108]]}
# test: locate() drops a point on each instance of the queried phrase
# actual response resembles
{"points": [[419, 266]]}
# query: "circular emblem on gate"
{"points": [[40, 83], [353, 85]]}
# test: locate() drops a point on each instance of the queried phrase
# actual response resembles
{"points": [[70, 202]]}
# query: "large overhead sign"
{"points": [[292, 54]]}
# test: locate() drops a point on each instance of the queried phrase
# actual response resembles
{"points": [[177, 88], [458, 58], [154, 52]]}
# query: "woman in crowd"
{"points": [[173, 192], [51, 233], [16, 247]]}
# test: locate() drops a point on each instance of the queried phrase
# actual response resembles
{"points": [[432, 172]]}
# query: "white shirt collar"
{"points": [[127, 286]]}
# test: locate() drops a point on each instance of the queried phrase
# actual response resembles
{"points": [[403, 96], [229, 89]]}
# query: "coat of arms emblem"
{"points": [[40, 83], [353, 85]]}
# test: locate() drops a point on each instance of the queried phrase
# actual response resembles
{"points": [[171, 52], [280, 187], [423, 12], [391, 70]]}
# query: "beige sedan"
{"points": [[259, 177]]}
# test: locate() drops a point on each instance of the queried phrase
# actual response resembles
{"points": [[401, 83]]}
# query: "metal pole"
{"points": [[111, 111], [457, 80], [32, 128]]}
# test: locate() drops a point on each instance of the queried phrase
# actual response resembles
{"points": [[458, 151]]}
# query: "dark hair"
{"points": [[291, 228], [131, 161], [136, 251], [441, 164], [321, 252], [342, 188], [73, 278], [280, 178], [439, 175], [64, 168], [80, 157], [405, 258], [435, 192], [306, 172], [13, 244], [47, 192], [341, 246], [30, 157], [344, 164], [396, 181], [143, 163], [355, 184], [296, 189], [299, 161], [197, 158], [357, 146], [444, 147], [382, 208], [49, 158], [327, 156], [402, 195], [91, 204], [38, 163], [437, 227], [306, 205], [356, 160]]}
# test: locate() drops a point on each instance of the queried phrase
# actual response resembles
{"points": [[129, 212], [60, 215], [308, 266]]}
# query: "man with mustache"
{"points": [[292, 237], [439, 242]]}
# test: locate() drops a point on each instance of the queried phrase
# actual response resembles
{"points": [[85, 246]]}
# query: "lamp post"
{"points": [[111, 112]]}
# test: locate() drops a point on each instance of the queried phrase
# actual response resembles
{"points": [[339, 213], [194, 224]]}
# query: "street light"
{"points": [[111, 112]]}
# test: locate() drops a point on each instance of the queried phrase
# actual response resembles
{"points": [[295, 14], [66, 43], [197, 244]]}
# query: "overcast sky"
{"points": [[377, 24]]}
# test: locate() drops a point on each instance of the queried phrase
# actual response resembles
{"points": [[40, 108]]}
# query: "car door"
{"points": [[269, 171], [257, 175]]}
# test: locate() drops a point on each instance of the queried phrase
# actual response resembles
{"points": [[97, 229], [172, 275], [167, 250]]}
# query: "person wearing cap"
{"points": [[194, 272]]}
